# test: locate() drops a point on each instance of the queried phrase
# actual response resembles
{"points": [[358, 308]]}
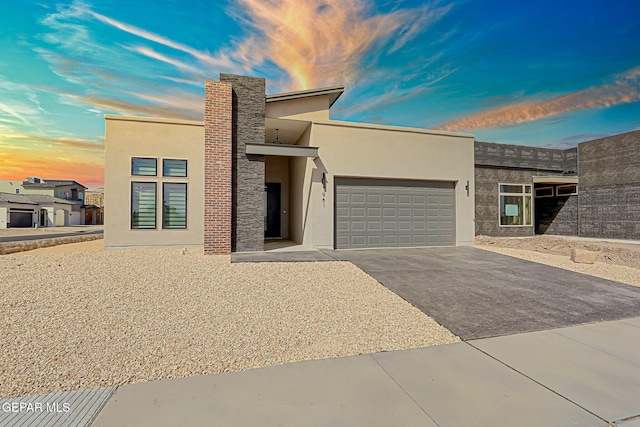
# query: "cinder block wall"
{"points": [[509, 164], [217, 168], [609, 193], [487, 180], [248, 121], [557, 215]]}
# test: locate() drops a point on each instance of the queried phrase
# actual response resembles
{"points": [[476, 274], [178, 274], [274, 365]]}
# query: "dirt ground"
{"points": [[616, 253]]}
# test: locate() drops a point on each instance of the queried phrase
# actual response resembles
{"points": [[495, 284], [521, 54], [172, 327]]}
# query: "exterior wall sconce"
{"points": [[277, 140]]}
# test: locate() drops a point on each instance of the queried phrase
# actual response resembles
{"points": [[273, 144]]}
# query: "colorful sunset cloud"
{"points": [[532, 73]]}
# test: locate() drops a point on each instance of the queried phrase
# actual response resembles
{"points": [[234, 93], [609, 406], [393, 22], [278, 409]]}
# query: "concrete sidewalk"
{"points": [[586, 375]]}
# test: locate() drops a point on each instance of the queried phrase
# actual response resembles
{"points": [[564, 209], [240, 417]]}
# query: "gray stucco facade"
{"points": [[607, 204]]}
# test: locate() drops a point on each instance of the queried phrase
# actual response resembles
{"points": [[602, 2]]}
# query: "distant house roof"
{"points": [[52, 183], [43, 198], [31, 199], [16, 198]]}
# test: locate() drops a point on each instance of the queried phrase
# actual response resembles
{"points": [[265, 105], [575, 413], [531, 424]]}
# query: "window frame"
{"points": [[186, 205], [524, 195], [573, 193], [545, 188]]}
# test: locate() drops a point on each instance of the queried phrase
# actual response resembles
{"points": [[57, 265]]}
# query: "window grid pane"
{"points": [[143, 205], [172, 167], [174, 201], [144, 166]]}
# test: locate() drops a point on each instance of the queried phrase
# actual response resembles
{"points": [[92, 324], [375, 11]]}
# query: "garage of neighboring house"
{"points": [[20, 218], [397, 213]]}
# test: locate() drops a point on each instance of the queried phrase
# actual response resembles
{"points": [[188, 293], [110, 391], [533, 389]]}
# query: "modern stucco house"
{"points": [[592, 190], [276, 166], [43, 203], [33, 210]]}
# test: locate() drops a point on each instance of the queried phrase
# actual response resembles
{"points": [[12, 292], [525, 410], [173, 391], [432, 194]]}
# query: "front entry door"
{"points": [[272, 210]]}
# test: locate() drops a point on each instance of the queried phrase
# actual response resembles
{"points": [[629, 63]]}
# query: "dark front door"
{"points": [[272, 210]]}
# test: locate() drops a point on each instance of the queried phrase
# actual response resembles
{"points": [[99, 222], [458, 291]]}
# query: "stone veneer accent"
{"points": [[217, 167], [248, 121]]}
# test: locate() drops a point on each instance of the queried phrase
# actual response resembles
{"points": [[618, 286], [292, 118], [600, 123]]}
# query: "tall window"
{"points": [[174, 205], [515, 204], [143, 205]]}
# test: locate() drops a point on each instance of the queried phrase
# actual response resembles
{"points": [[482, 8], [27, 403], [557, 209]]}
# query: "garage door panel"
{"points": [[357, 213], [404, 200], [394, 213], [389, 213], [374, 240], [374, 199], [374, 226]]}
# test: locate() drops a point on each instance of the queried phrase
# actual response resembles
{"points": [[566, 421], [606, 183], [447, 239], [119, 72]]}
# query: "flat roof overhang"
{"points": [[287, 150], [555, 179]]}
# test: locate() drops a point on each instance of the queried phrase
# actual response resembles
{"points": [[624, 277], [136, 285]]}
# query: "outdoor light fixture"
{"points": [[277, 140]]}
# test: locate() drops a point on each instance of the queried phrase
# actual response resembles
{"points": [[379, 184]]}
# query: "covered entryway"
{"points": [[20, 218], [393, 213]]}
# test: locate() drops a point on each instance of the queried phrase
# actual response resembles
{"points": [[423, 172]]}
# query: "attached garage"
{"points": [[393, 213], [20, 218]]}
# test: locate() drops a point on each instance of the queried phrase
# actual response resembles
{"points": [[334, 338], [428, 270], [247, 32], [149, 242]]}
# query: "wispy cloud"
{"points": [[624, 88], [319, 43]]}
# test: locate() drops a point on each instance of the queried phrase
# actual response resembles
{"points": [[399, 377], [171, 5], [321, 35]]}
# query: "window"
{"points": [[515, 205], [172, 167], [174, 205], [143, 205], [567, 190], [144, 166], [544, 192]]}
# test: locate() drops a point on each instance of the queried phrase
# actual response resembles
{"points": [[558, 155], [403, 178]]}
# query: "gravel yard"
{"points": [[71, 320], [615, 261]]}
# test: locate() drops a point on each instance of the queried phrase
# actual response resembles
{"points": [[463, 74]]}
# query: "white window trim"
{"points": [[523, 195]]}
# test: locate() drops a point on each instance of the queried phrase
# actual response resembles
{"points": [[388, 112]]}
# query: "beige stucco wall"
{"points": [[277, 170], [127, 137], [10, 186], [358, 150], [311, 108]]}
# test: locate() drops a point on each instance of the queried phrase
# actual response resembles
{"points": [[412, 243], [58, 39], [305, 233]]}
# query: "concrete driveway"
{"points": [[481, 294]]}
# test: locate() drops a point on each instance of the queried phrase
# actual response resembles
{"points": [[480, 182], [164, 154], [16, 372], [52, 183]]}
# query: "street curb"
{"points": [[21, 246]]}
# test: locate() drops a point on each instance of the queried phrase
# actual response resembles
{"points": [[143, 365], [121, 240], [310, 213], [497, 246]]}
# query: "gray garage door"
{"points": [[20, 219], [378, 213]]}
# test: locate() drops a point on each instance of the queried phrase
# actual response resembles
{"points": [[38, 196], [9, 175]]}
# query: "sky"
{"points": [[540, 73]]}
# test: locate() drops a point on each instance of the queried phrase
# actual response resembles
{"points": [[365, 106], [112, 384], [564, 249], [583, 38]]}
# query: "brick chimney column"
{"points": [[217, 167]]}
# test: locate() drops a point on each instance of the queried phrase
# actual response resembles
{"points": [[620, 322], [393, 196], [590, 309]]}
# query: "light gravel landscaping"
{"points": [[615, 261], [71, 320]]}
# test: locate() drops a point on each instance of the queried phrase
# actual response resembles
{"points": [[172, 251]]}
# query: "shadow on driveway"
{"points": [[480, 294]]}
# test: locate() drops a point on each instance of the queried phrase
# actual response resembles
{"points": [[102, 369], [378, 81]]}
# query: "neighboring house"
{"points": [[33, 210], [66, 189], [14, 187], [277, 166], [592, 190], [94, 206]]}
